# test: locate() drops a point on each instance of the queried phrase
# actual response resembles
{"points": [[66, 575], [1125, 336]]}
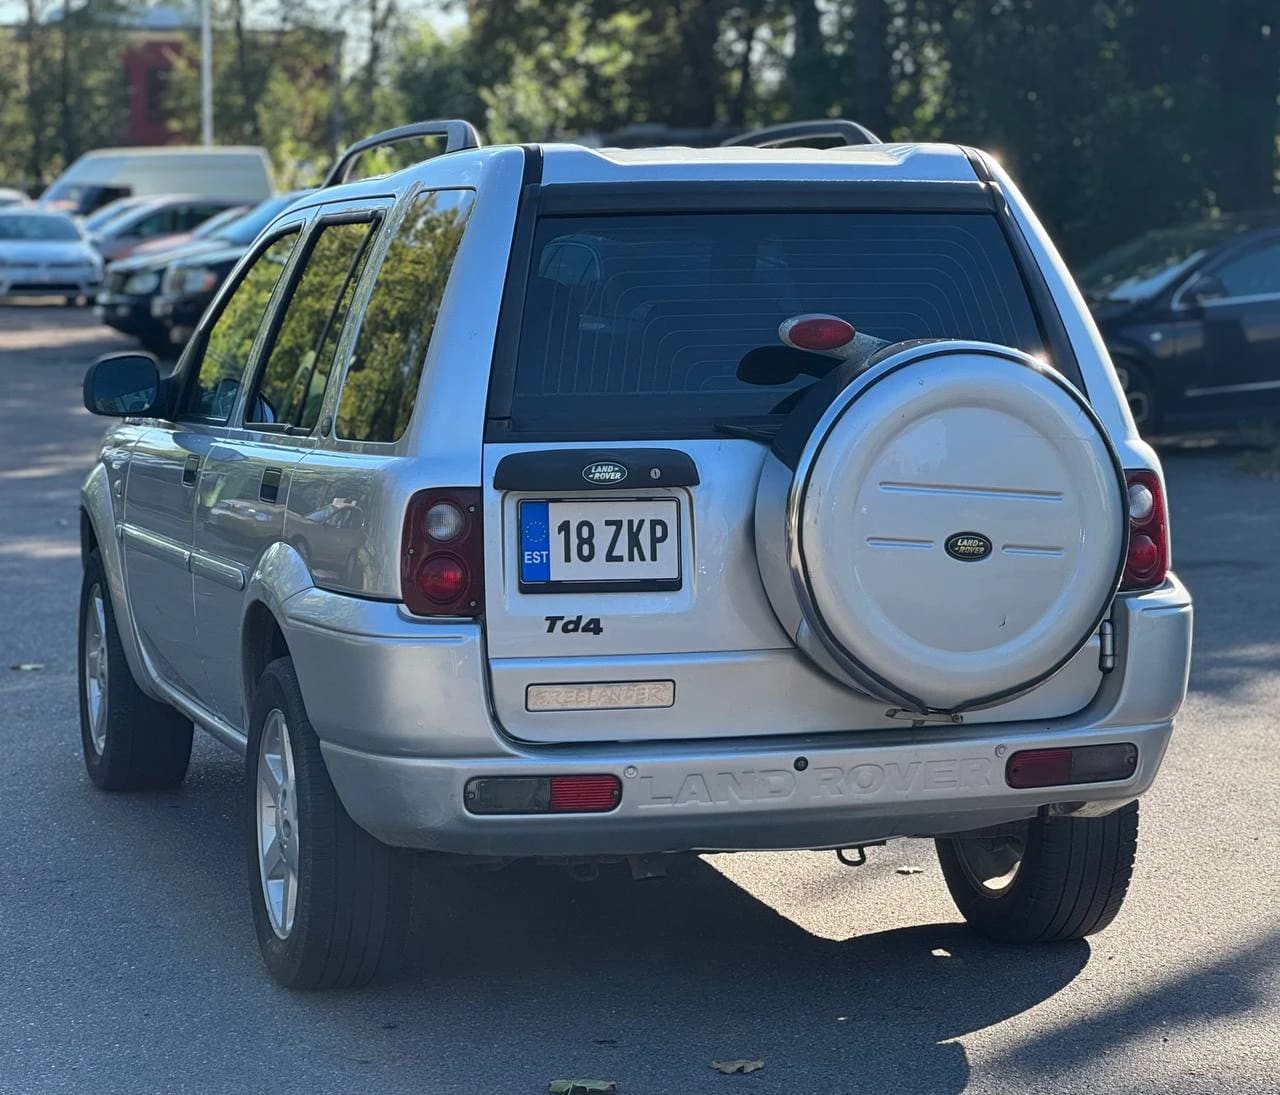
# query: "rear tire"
{"points": [[1046, 880], [330, 903], [131, 742]]}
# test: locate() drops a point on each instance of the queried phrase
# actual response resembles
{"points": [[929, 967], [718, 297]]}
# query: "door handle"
{"points": [[191, 471], [269, 491]]}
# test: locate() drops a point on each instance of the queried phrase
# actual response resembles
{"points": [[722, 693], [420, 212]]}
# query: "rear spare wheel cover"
{"points": [[959, 525]]}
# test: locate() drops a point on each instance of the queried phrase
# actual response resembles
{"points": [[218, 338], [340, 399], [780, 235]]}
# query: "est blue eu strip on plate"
{"points": [[535, 542]]}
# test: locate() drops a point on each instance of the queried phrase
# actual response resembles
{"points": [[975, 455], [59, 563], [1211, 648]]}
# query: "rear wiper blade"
{"points": [[757, 432]]}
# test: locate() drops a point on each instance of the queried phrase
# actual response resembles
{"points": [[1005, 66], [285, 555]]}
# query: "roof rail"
{"points": [[457, 135], [804, 134]]}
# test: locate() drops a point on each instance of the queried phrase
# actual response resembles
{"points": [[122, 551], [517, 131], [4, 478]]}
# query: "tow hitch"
{"points": [[856, 854]]}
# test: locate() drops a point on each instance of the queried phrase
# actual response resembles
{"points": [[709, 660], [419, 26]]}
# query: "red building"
{"points": [[157, 40]]}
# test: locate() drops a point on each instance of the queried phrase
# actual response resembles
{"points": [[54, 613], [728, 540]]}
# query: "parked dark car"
{"points": [[154, 219], [157, 298], [1191, 316]]}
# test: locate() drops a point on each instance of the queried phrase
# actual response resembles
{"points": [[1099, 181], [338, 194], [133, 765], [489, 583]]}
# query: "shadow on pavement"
{"points": [[522, 975], [695, 968]]}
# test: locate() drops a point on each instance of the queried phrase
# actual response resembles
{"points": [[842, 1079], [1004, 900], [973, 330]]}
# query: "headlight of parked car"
{"points": [[141, 283], [190, 280]]}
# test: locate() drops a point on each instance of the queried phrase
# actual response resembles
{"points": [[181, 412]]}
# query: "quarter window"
{"points": [[391, 349], [301, 354], [222, 361]]}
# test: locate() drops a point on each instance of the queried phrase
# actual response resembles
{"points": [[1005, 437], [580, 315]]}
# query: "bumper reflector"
{"points": [[1062, 767], [594, 794]]}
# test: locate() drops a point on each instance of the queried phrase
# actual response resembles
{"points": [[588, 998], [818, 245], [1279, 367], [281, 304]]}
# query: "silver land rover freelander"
{"points": [[544, 501]]}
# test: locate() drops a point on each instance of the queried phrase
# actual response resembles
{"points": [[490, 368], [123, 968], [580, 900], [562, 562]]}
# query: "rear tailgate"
{"points": [[623, 596]]}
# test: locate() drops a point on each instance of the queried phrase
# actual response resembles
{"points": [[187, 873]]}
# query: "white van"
{"points": [[106, 174]]}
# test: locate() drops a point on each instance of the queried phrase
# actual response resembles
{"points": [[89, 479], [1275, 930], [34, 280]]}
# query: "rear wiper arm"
{"points": [[763, 434]]}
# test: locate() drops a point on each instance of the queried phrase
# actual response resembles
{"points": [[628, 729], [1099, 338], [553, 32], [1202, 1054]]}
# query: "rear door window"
{"points": [[395, 331], [300, 355], [637, 323]]}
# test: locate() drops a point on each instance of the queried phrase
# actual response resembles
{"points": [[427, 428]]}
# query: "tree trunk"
{"points": [[699, 31], [35, 122], [737, 114], [65, 121], [1247, 67], [871, 90], [809, 70]]}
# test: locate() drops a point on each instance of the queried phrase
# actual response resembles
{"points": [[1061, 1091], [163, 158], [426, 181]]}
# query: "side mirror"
{"points": [[120, 385], [1203, 289]]}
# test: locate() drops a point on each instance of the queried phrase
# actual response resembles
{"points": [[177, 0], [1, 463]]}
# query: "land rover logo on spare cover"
{"points": [[604, 471], [968, 547]]}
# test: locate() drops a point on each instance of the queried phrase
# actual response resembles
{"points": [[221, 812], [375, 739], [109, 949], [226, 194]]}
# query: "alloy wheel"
{"points": [[93, 659], [277, 824]]}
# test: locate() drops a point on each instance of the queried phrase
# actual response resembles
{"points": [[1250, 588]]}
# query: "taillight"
{"points": [[1147, 563], [442, 553]]}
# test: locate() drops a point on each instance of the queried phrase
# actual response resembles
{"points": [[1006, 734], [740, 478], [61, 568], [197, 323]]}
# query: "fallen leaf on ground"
{"points": [[581, 1087], [730, 1067], [27, 667], [910, 870]]}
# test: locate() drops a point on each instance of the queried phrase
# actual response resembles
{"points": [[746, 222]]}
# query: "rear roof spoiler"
{"points": [[805, 135], [457, 135]]}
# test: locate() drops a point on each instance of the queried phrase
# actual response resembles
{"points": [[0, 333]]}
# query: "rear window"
{"points": [[639, 322]]}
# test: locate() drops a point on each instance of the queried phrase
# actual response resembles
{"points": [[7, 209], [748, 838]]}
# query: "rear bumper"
{"points": [[403, 714], [718, 797]]}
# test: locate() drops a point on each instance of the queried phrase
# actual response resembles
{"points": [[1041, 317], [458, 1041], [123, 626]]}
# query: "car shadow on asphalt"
{"points": [[523, 974], [692, 968]]}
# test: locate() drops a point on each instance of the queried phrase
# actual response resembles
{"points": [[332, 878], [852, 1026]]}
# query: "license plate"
{"points": [[629, 544]]}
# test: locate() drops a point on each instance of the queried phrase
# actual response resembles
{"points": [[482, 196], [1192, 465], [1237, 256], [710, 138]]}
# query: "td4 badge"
{"points": [[569, 625]]}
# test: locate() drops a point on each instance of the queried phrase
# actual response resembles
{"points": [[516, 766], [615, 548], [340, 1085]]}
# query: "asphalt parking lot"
{"points": [[127, 959]]}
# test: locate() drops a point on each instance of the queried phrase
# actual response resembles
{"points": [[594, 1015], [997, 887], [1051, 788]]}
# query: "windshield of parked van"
{"points": [[38, 226], [1152, 262], [640, 322]]}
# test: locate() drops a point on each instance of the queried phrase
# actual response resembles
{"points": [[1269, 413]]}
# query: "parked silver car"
{"points": [[558, 502], [46, 254]]}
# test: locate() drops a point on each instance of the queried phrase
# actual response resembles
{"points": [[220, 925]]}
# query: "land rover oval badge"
{"points": [[603, 472], [968, 547]]}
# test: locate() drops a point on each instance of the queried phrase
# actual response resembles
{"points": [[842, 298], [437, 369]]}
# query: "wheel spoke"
{"points": [[289, 899], [274, 866], [271, 777]]}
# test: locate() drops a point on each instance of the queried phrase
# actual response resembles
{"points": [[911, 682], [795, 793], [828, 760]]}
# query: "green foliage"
{"points": [[390, 351], [302, 355], [231, 337]]}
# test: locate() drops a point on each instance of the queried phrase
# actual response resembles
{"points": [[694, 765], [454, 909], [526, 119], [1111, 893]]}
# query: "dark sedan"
{"points": [[158, 298], [1192, 319]]}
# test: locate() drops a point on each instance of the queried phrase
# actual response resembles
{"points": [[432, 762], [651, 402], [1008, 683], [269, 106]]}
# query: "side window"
{"points": [[158, 224], [300, 357], [382, 381], [1254, 273], [192, 215], [225, 354]]}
